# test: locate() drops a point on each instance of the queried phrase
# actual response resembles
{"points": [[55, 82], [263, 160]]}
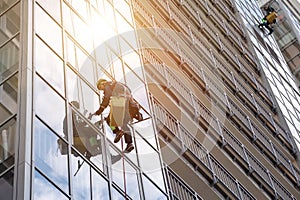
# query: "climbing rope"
{"points": [[123, 163]]}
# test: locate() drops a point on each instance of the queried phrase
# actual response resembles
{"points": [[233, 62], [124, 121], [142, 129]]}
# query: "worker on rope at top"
{"points": [[269, 20], [123, 109]]}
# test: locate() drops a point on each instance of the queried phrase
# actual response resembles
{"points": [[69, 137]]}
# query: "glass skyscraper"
{"points": [[214, 126]]}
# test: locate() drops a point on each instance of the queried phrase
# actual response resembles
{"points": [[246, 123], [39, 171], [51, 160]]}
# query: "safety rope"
{"points": [[123, 163]]}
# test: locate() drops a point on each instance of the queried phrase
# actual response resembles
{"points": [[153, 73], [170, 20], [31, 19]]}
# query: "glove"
{"points": [[98, 112], [90, 116]]}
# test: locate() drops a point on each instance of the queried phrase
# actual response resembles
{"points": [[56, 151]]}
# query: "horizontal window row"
{"points": [[190, 143], [255, 134]]}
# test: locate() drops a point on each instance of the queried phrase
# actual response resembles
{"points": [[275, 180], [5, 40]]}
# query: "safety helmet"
{"points": [[100, 82]]}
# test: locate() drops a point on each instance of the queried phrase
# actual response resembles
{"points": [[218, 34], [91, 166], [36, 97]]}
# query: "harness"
{"points": [[271, 17]]}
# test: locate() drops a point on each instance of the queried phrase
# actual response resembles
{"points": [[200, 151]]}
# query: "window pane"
{"points": [[47, 159], [6, 185], [10, 23], [8, 98], [77, 28], [79, 91], [52, 7], [122, 24], [43, 189], [99, 187], [150, 162], [9, 58], [116, 194], [49, 66], [119, 171], [85, 66], [80, 6], [7, 145], [81, 178], [145, 130], [49, 105], [48, 30], [123, 7], [151, 191]]}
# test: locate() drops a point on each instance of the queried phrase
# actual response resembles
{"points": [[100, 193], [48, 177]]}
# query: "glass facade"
{"points": [[77, 43], [9, 64], [74, 43]]}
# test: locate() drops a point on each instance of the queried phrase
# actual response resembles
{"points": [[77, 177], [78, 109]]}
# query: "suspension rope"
{"points": [[123, 163]]}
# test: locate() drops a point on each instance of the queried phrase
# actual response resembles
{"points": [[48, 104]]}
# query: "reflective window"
{"points": [[129, 47], [49, 66], [7, 144], [79, 91], [6, 4], [116, 194], [117, 69], [97, 4], [9, 58], [123, 171], [10, 23], [122, 24], [49, 106], [77, 28], [150, 162], [6, 190], [151, 191], [103, 32], [48, 30], [8, 97], [53, 163], [99, 187], [109, 14], [145, 130], [43, 189], [84, 64], [52, 7], [80, 6], [81, 178], [123, 7]]}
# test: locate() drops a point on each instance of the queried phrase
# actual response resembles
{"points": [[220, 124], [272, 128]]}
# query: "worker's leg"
{"points": [[263, 23], [127, 131], [115, 129], [270, 29]]}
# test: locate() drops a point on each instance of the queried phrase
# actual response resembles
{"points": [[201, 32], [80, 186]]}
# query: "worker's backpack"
{"points": [[134, 110]]}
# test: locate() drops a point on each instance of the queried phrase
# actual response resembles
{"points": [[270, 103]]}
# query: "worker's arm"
{"points": [[105, 100]]}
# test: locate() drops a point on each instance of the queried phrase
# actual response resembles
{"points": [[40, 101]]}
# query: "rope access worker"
{"points": [[269, 20], [122, 109]]}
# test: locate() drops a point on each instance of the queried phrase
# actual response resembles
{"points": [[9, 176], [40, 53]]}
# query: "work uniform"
{"points": [[117, 95]]}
